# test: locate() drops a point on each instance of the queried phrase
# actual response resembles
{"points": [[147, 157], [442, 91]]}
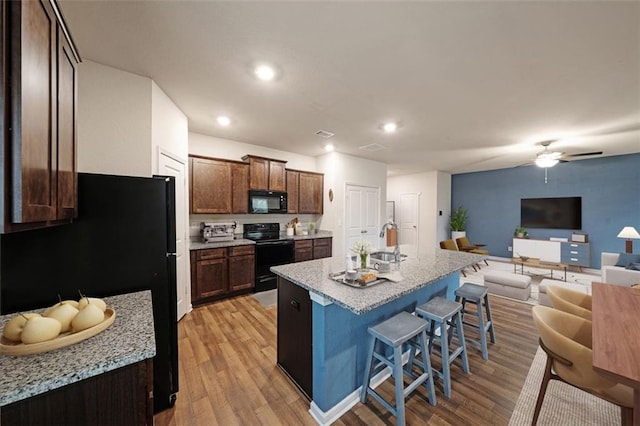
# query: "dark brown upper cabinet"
{"points": [[39, 86], [266, 173], [310, 188]]}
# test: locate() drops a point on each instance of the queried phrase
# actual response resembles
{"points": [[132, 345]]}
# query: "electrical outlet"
{"points": [[510, 248]]}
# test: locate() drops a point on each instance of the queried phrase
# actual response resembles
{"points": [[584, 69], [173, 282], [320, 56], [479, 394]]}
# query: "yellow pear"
{"points": [[40, 329], [63, 302], [13, 329], [84, 301], [63, 312], [88, 316]]}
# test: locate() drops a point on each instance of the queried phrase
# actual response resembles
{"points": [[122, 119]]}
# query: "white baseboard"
{"points": [[325, 418]]}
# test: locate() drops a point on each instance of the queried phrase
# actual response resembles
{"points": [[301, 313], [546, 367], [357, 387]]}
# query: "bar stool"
{"points": [[395, 332], [479, 296], [441, 312]]}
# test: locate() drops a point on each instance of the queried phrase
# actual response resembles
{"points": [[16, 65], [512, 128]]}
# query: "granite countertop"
{"points": [[319, 234], [313, 275], [128, 340], [199, 245]]}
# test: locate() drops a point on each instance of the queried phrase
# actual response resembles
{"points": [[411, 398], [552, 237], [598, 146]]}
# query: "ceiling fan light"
{"points": [[546, 161]]}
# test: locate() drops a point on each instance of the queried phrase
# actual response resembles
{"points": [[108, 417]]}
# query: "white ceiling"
{"points": [[474, 85]]}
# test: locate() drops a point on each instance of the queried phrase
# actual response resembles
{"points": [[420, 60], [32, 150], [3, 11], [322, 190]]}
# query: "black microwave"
{"points": [[267, 201]]}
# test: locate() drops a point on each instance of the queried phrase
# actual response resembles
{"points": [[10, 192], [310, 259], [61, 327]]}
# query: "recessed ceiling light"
{"points": [[390, 127], [329, 147], [223, 120], [265, 72]]}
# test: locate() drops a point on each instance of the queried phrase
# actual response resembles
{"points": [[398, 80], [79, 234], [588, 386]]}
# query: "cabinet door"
{"points": [[311, 187], [292, 191], [210, 186], [212, 277], [242, 272], [321, 248], [277, 176], [33, 95], [303, 250], [239, 188], [259, 173], [67, 96]]}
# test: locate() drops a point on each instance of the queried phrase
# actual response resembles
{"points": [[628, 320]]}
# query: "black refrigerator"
{"points": [[122, 241]]}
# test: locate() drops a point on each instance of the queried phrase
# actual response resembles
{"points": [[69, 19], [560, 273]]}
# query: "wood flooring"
{"points": [[228, 374]]}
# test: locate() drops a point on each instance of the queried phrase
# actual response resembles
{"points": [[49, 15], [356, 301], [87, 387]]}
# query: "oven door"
{"points": [[268, 254]]}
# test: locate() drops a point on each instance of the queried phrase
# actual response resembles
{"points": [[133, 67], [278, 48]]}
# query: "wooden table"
{"points": [[534, 262], [616, 337]]}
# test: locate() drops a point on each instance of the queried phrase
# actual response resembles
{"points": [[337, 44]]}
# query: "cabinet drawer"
{"points": [[304, 244], [322, 242], [241, 250], [212, 253]]}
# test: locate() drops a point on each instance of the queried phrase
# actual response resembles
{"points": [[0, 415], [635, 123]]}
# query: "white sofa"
{"points": [[616, 274]]}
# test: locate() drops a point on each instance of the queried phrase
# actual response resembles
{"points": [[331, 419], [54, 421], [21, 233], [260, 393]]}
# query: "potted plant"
{"points": [[458, 223], [520, 232]]}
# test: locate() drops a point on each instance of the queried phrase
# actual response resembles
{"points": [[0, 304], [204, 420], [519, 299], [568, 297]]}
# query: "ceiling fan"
{"points": [[546, 158]]}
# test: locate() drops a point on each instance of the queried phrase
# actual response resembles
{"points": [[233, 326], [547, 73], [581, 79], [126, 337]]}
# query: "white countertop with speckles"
{"points": [[128, 340], [416, 273]]}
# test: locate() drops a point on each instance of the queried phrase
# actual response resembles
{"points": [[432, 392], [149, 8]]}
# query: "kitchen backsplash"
{"points": [[282, 219]]}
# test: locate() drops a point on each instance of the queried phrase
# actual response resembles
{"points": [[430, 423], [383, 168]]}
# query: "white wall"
{"points": [[114, 121], [233, 150], [435, 196], [443, 205], [169, 128], [340, 170]]}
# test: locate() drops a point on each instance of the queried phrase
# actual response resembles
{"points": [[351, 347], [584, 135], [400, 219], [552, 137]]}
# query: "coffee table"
{"points": [[534, 262]]}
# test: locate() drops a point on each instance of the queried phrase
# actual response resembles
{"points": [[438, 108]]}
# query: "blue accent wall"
{"points": [[608, 187]]}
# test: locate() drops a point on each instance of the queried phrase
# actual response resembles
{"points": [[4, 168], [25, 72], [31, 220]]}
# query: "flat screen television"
{"points": [[554, 213]]}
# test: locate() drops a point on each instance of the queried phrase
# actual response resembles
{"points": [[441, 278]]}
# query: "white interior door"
{"points": [[408, 222], [170, 166], [362, 215]]}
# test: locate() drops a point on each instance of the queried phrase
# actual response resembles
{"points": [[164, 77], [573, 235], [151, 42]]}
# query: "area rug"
{"points": [[267, 298], [537, 275], [563, 404]]}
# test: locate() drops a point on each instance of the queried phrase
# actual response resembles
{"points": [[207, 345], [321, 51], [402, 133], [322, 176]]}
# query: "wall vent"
{"points": [[324, 134]]}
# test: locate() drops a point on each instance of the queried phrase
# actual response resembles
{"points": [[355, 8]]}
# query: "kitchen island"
{"points": [[322, 324], [106, 379]]}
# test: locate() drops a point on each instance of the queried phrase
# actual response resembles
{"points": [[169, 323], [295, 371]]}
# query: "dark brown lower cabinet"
{"points": [[321, 248], [120, 397], [303, 250], [242, 269], [221, 272], [295, 335]]}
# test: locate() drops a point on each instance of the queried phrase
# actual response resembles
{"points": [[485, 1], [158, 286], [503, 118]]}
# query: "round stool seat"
{"points": [[471, 291], [438, 309], [398, 329]]}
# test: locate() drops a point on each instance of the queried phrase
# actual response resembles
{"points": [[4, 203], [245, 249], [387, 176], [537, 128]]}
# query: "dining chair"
{"points": [[570, 301], [566, 339]]}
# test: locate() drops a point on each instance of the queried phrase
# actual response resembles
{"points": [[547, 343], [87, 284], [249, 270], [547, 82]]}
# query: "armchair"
{"points": [[464, 245]]}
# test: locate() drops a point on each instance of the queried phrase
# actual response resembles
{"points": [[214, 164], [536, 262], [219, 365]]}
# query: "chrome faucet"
{"points": [[396, 250]]}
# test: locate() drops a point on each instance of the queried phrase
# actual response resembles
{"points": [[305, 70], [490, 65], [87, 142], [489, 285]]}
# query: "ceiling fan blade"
{"points": [[584, 154]]}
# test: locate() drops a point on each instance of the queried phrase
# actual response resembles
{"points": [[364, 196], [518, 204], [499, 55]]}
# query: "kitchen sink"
{"points": [[386, 256]]}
